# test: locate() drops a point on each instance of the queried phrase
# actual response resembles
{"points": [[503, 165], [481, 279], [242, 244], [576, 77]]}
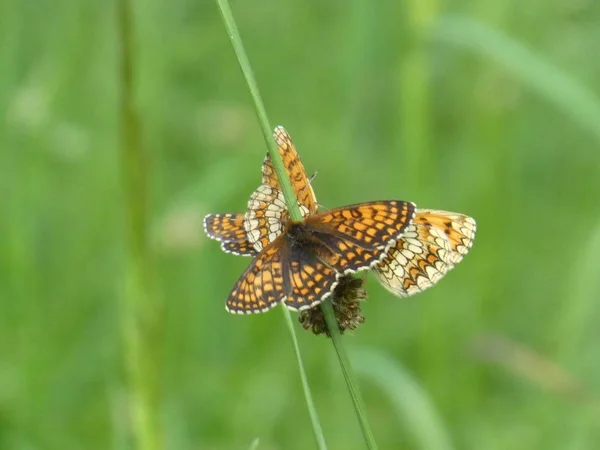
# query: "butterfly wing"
{"points": [[430, 247], [241, 248], [229, 230], [358, 236], [261, 286], [266, 216], [225, 227], [310, 281], [295, 170], [459, 229]]}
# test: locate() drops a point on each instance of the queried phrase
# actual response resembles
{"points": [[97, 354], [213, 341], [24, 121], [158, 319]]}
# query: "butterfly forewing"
{"points": [[370, 225], [344, 255], [431, 246], [225, 227], [358, 236], [261, 286], [295, 170]]}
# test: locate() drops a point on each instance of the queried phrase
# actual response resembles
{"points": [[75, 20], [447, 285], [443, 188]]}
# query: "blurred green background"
{"points": [[487, 108]]}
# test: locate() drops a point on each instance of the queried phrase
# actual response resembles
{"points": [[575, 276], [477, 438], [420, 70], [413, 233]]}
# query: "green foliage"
{"points": [[487, 110]]}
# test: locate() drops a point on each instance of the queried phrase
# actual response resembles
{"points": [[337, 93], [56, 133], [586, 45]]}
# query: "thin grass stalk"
{"points": [[292, 205], [348, 373], [286, 187], [138, 305], [314, 418], [242, 57], [415, 98]]}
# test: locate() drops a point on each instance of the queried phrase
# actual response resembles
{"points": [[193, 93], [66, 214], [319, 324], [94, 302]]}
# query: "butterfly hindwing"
{"points": [[261, 286], [267, 213], [240, 248], [310, 280], [459, 228], [430, 247]]}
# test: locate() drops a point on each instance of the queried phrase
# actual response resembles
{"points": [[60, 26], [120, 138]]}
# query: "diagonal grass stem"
{"points": [[292, 205]]}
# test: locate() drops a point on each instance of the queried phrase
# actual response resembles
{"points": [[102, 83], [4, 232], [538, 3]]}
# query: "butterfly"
{"points": [[433, 244], [300, 262]]}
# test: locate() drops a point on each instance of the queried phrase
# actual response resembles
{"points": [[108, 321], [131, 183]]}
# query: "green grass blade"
{"points": [[349, 377], [292, 205], [287, 190], [583, 293], [267, 130], [412, 404], [314, 418], [139, 313], [572, 97]]}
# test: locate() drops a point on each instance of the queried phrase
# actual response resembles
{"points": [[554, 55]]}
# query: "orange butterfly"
{"points": [[299, 263], [427, 248]]}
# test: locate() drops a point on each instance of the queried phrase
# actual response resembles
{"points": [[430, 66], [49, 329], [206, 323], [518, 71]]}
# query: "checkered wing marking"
{"points": [[243, 248], [310, 281], [266, 216], [294, 168], [225, 227], [425, 252], [229, 230], [459, 229], [358, 236], [261, 286]]}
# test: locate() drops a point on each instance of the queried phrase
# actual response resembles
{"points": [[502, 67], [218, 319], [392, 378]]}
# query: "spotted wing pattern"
{"points": [[459, 229], [225, 227], [430, 247], [229, 230], [266, 216], [294, 168], [310, 280], [358, 236], [261, 286], [240, 248]]}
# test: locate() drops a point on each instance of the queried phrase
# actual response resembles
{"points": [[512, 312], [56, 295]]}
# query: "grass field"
{"points": [[487, 108]]}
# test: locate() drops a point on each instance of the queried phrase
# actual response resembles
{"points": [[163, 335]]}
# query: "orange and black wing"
{"points": [[458, 228], [308, 279], [261, 286], [430, 247], [225, 227], [358, 236], [294, 168], [265, 218], [240, 248], [229, 230]]}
